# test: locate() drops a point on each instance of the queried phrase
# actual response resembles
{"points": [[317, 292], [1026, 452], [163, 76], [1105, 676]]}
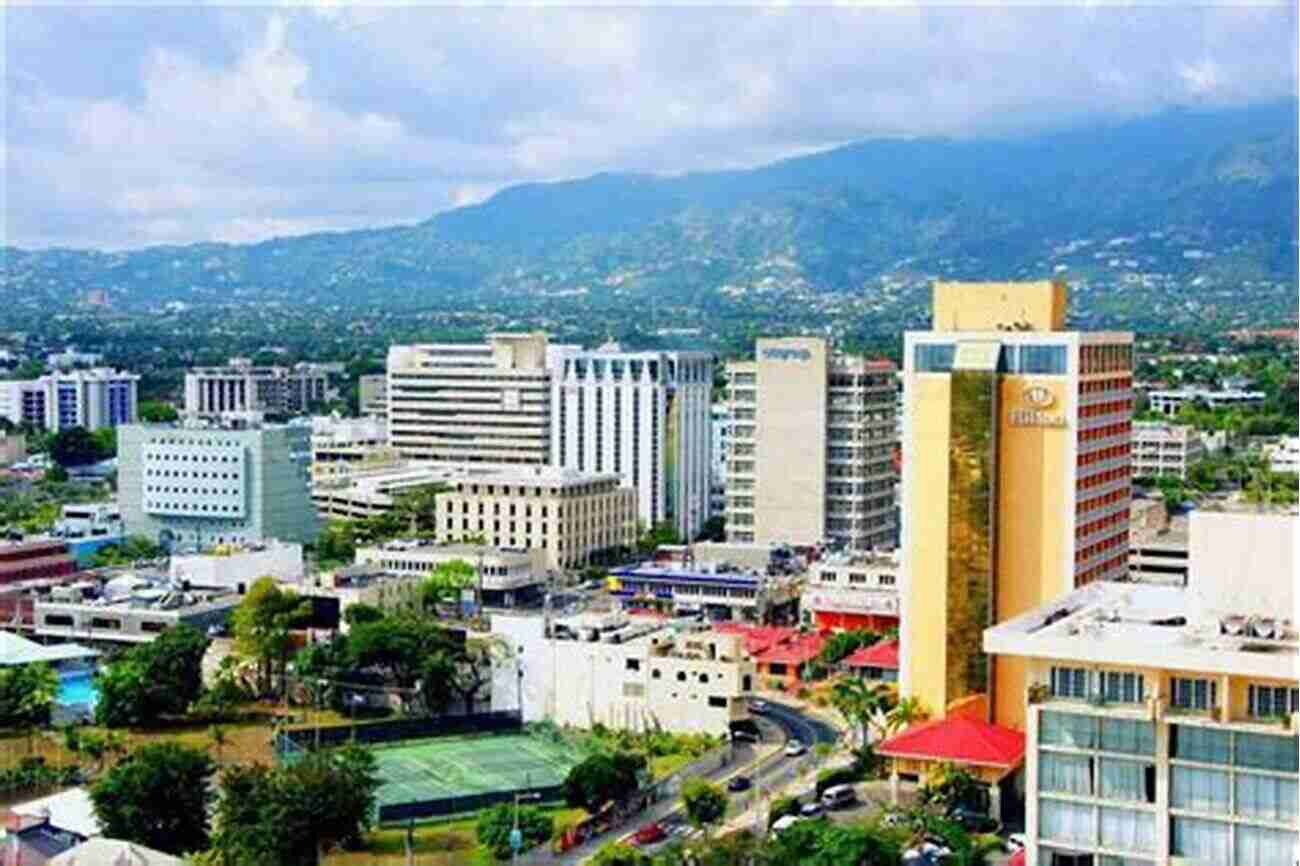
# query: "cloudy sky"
{"points": [[128, 127]]}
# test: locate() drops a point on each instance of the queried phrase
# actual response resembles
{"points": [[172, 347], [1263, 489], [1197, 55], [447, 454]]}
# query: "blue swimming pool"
{"points": [[78, 689]]}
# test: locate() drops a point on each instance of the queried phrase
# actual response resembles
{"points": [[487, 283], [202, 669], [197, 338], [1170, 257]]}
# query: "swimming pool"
{"points": [[78, 689]]}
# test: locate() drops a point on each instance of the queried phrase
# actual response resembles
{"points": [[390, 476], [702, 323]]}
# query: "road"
{"points": [[779, 723]]}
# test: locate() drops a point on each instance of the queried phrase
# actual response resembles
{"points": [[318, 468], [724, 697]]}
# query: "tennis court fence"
{"points": [[294, 741], [440, 807]]}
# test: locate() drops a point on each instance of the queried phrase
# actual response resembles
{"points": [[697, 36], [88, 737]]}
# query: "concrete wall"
{"points": [[1243, 562]]}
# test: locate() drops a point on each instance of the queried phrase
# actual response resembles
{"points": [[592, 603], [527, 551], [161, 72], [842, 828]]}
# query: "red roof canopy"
{"points": [[959, 739], [757, 637], [879, 655], [795, 651]]}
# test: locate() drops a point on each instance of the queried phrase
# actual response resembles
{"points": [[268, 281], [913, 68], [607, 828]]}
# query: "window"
{"points": [[1205, 745], [1270, 797], [1266, 752], [1130, 737], [1128, 830], [933, 357], [633, 664], [1199, 790], [1065, 822], [1204, 841], [1042, 359], [1122, 687], [1068, 774], [1258, 846], [1194, 694], [58, 619], [715, 701], [1067, 729], [1134, 781], [1069, 682], [681, 676], [151, 626], [1269, 701]]}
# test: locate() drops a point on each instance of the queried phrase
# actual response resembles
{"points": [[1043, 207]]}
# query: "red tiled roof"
{"points": [[879, 655], [796, 651], [757, 637], [959, 739]]}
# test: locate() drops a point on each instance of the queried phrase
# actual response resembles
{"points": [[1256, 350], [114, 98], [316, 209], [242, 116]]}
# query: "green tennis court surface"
{"points": [[435, 769]]}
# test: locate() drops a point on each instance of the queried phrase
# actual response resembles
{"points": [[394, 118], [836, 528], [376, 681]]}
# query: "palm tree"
{"points": [[908, 712], [861, 703]]}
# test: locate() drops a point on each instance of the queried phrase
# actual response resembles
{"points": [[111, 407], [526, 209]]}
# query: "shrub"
{"points": [[495, 824], [838, 776]]}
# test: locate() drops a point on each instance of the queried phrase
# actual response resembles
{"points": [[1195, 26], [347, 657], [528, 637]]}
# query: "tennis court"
{"points": [[466, 766]]}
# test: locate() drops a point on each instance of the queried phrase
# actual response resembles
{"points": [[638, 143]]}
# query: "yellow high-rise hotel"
{"points": [[1015, 490]]}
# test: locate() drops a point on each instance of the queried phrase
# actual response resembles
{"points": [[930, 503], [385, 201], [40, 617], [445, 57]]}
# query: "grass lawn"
{"points": [[666, 765], [447, 843]]}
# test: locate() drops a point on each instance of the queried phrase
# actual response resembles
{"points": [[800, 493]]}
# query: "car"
{"points": [[785, 822], [649, 834], [745, 737], [794, 749], [838, 797], [973, 821], [739, 783], [811, 809], [758, 707], [1016, 842]]}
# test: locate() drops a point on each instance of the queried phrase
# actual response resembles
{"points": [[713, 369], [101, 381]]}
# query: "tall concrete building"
{"points": [[194, 486], [645, 417], [469, 403], [1016, 487], [72, 398], [812, 437], [242, 387]]}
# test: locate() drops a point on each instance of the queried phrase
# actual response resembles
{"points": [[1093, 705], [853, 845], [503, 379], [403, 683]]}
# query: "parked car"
{"points": [[739, 783], [794, 749], [758, 707], [974, 822], [745, 737], [811, 809], [839, 796], [785, 822], [649, 834]]}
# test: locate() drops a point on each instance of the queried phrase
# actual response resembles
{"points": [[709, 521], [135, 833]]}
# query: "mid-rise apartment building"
{"points": [[626, 674], [241, 387], [467, 403], [812, 439], [1161, 722], [572, 516], [853, 591], [1016, 480], [92, 399], [645, 417], [1163, 450], [196, 486]]}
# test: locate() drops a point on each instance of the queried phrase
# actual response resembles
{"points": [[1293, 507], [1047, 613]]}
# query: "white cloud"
{"points": [[129, 127]]}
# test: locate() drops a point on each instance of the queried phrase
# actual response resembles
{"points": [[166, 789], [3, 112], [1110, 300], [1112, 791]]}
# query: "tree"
{"points": [[158, 797], [160, 678], [157, 412], [336, 544], [289, 815], [714, 529], [603, 777], [56, 474], [862, 704], [130, 550], [704, 802], [495, 824], [445, 583], [842, 644], [105, 442], [415, 508], [74, 446], [648, 541], [27, 694], [620, 854], [360, 614], [261, 626], [95, 745], [907, 712]]}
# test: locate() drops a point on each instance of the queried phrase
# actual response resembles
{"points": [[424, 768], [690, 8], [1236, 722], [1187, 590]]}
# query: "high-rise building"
{"points": [[91, 399], [239, 387], [719, 442], [812, 440], [471, 403], [1016, 487], [1161, 721], [645, 417], [197, 486]]}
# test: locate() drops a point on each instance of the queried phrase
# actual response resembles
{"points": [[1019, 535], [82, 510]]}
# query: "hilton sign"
{"points": [[1041, 399]]}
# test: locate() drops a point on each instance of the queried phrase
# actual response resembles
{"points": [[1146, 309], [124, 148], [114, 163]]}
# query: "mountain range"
{"points": [[1187, 215]]}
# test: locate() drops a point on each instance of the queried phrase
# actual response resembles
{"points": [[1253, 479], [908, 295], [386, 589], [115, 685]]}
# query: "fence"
{"points": [[463, 805], [292, 741]]}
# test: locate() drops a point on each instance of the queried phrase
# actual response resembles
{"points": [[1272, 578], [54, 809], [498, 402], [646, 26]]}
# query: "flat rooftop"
{"points": [[1153, 626]]}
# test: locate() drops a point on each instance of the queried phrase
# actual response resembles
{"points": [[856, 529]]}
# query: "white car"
{"points": [[757, 706], [794, 749], [1016, 842]]}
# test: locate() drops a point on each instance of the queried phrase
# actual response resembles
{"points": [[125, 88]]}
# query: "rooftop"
{"points": [[542, 476], [1167, 626], [883, 654], [961, 739], [18, 650]]}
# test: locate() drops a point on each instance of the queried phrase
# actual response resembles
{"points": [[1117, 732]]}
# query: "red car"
{"points": [[649, 834]]}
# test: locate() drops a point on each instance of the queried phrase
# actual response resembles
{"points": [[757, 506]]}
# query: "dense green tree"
{"points": [[495, 824], [705, 803], [844, 643], [132, 549], [360, 614], [160, 678], [75, 446], [157, 412], [445, 583], [262, 623], [158, 796], [620, 854], [289, 815], [650, 540], [603, 777], [27, 694], [714, 529], [336, 544]]}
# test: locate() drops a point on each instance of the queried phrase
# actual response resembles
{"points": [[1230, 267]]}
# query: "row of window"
{"points": [[1112, 358], [1107, 431], [1202, 841], [1028, 359]]}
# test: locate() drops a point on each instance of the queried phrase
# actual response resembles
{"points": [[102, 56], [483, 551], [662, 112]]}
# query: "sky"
{"points": [[127, 127]]}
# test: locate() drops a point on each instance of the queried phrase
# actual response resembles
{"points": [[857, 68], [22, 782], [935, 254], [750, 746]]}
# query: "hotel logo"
{"points": [[1039, 396]]}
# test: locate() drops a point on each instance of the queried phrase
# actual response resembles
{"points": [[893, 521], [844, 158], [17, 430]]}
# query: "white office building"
{"points": [[1170, 401], [92, 399], [644, 416], [190, 487]]}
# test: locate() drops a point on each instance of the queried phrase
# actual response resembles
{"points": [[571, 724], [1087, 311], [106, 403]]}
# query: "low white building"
{"points": [[236, 567], [856, 591], [128, 609], [1164, 450], [1285, 455], [507, 578], [636, 675], [90, 518], [1170, 401]]}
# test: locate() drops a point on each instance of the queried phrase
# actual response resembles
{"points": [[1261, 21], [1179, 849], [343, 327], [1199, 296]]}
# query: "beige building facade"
{"points": [[571, 516], [1162, 450], [467, 403], [810, 454]]}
